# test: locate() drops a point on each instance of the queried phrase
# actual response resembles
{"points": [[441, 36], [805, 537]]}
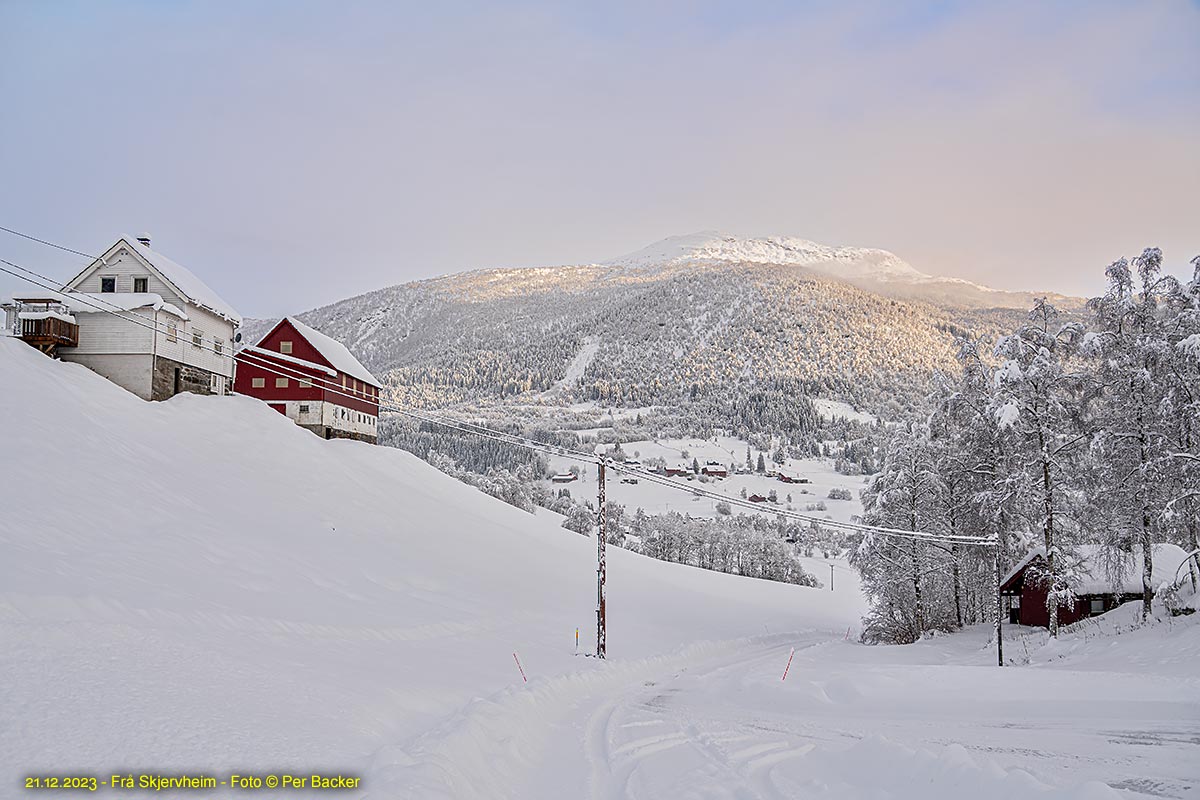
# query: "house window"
{"points": [[108, 285], [172, 332], [198, 338], [281, 383], [218, 346], [1097, 607], [141, 285], [258, 383], [285, 347]]}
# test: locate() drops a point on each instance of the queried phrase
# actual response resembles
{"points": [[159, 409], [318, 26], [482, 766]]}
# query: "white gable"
{"points": [[178, 277]]}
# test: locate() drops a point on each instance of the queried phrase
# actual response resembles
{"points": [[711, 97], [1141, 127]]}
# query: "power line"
{"points": [[48, 244]]}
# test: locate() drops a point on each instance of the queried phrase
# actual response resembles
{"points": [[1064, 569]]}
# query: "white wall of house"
{"points": [[102, 333], [124, 266], [132, 371], [215, 333]]}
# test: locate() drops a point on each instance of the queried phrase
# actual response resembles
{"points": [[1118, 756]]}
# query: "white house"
{"points": [[144, 322]]}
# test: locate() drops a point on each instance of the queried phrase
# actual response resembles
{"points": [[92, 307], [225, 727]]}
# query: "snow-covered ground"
{"points": [[655, 498], [200, 586], [833, 409]]}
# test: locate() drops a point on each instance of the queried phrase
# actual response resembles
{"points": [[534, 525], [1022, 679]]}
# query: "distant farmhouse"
{"points": [[1104, 585], [313, 380], [180, 338]]}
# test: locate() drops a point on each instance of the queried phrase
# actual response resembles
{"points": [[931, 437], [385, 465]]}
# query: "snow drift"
{"points": [[201, 585]]}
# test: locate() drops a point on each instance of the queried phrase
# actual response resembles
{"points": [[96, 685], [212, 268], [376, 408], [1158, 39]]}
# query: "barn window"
{"points": [[1097, 606], [304, 408], [281, 383], [258, 383], [141, 285], [108, 285], [285, 347], [305, 383]]}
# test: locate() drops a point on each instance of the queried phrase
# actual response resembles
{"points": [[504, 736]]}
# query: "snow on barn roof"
{"points": [[334, 352], [290, 359], [1097, 573]]}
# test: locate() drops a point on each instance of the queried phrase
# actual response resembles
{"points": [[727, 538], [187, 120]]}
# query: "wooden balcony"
{"points": [[49, 333]]}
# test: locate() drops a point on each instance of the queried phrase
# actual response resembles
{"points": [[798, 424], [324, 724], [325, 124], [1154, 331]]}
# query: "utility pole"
{"points": [[999, 603], [601, 567]]}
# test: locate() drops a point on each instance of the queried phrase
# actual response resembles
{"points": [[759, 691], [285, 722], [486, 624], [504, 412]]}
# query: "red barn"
{"points": [[313, 380], [1102, 583]]}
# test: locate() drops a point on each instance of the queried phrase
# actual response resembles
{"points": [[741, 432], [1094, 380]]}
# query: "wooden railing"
{"points": [[50, 331]]}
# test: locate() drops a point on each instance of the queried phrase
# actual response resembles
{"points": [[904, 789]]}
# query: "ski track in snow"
{"points": [[578, 365]]}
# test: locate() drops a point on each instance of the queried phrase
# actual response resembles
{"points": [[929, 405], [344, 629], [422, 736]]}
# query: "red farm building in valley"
{"points": [[312, 380]]}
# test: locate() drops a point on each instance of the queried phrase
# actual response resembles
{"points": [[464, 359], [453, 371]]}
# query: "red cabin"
{"points": [[1101, 583], [313, 380]]}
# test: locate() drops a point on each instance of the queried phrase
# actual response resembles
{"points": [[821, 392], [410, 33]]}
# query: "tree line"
{"points": [[1062, 434]]}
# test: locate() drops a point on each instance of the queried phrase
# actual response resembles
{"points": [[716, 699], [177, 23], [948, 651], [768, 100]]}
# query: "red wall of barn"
{"points": [[1034, 612], [246, 372]]}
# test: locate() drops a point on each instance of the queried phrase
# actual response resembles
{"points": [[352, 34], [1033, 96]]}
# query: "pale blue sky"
{"points": [[297, 153]]}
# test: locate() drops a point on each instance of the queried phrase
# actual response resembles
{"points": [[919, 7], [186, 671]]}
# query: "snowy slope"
{"points": [[200, 584]]}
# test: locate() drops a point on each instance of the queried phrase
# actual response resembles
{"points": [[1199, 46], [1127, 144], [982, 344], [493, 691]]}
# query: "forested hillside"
{"points": [[734, 342]]}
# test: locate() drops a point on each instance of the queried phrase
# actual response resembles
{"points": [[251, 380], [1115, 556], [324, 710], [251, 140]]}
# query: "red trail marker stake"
{"points": [[526, 680], [789, 664]]}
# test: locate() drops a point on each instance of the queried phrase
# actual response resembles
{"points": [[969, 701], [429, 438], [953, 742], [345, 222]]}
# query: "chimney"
{"points": [[144, 240]]}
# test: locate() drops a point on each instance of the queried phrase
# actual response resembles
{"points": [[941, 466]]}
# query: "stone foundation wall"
{"points": [[325, 432], [191, 379]]}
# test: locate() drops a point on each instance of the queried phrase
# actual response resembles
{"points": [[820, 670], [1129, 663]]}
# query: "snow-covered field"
{"points": [[199, 586], [655, 498]]}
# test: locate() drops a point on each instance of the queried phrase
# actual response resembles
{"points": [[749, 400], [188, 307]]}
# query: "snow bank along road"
{"points": [[199, 585]]}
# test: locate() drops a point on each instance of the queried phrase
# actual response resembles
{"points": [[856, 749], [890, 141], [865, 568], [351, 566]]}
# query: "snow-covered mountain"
{"points": [[702, 321], [869, 268], [851, 263]]}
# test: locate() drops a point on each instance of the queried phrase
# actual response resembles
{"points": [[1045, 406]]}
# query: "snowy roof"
{"points": [[192, 288], [110, 302], [46, 315], [332, 351], [290, 359], [1096, 573], [184, 281]]}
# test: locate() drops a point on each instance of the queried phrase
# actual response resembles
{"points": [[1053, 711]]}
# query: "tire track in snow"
{"points": [[496, 747], [684, 756]]}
